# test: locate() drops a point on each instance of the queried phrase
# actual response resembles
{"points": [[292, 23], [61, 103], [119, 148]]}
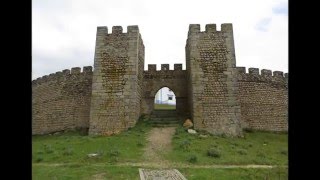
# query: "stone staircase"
{"points": [[164, 118]]}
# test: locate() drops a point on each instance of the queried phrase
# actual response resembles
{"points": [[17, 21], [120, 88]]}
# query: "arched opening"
{"points": [[165, 99]]}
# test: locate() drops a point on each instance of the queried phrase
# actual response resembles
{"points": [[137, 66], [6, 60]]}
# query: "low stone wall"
{"points": [[263, 99], [61, 101]]}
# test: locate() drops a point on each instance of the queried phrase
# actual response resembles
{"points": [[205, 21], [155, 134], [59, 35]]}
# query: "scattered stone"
{"points": [[57, 133], [187, 124], [92, 155], [191, 131], [203, 136]]}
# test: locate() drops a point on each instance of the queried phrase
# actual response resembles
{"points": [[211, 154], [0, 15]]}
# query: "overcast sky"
{"points": [[64, 31]]}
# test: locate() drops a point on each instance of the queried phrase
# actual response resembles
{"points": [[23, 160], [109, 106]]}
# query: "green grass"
{"points": [[164, 106], [84, 172], [235, 173], [69, 151], [73, 148], [263, 148], [125, 172]]}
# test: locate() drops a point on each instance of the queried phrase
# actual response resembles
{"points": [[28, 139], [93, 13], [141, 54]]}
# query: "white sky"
{"points": [[64, 31]]}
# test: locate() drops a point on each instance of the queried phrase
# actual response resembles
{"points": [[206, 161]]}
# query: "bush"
{"points": [[180, 130], [139, 144], [48, 149], [100, 152], [242, 152], [68, 151], [185, 145], [213, 153], [284, 152], [114, 153], [192, 159], [39, 159]]}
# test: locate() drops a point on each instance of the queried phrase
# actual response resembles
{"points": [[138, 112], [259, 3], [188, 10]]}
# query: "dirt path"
{"points": [[159, 141]]}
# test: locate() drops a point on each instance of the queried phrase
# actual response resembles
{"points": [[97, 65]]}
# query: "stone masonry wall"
{"points": [[263, 99], [117, 76], [218, 96], [154, 80], [210, 59], [61, 101]]}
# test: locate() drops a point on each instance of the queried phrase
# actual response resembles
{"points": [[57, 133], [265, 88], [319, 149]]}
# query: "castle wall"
{"points": [[175, 80], [210, 60], [117, 80], [263, 99], [218, 96], [61, 101]]}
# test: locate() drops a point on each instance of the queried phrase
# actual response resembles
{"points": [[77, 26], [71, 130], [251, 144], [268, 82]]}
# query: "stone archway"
{"points": [[165, 99], [173, 79]]}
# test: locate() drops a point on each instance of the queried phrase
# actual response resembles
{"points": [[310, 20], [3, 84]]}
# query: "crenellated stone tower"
{"points": [[116, 82], [211, 67]]}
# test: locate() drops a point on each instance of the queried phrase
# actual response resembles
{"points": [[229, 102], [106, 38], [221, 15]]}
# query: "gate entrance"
{"points": [[165, 99]]}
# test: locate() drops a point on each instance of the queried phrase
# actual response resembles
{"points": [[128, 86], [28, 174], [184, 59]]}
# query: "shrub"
{"points": [[213, 153], [242, 152], [192, 159], [100, 152], [48, 149], [139, 144], [68, 151], [39, 159], [114, 153], [284, 152], [179, 130], [185, 145]]}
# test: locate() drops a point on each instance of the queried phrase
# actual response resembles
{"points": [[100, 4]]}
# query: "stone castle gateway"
{"points": [[218, 96]]}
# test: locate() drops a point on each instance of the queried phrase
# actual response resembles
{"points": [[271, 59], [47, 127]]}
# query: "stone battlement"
{"points": [[75, 71], [164, 67], [264, 72], [117, 29], [210, 28], [266, 75], [165, 72]]}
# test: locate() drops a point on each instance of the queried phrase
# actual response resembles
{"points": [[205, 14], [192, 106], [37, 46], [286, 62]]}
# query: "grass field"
{"points": [[65, 156], [255, 148], [85, 172], [164, 106], [73, 148]]}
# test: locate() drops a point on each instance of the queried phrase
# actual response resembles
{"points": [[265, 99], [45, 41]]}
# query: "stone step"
{"points": [[164, 122], [164, 113], [164, 119], [165, 125], [162, 116]]}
